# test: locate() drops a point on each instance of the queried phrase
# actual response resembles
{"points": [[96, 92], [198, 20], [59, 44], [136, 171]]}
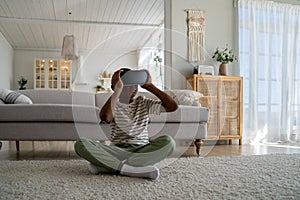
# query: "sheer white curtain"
{"points": [[269, 54]]}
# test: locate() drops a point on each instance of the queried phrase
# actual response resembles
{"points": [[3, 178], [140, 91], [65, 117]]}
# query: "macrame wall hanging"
{"points": [[196, 29]]}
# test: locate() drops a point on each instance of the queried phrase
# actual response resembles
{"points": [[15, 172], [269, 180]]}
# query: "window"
{"points": [[269, 54]]}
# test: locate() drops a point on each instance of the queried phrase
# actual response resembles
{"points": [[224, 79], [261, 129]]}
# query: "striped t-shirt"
{"points": [[130, 122]]}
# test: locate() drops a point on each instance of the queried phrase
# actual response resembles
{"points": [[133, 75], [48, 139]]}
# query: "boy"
{"points": [[131, 153]]}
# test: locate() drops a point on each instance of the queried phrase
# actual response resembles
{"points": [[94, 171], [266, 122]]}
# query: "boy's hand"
{"points": [[107, 110], [116, 80], [168, 104], [148, 81]]}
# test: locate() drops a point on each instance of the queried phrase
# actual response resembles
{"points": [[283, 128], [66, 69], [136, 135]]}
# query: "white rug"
{"points": [[246, 177]]}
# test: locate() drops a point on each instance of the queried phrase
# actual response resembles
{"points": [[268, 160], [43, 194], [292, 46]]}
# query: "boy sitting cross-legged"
{"points": [[131, 153]]}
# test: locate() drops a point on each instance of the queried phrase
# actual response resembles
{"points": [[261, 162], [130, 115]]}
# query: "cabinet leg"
{"points": [[240, 141], [198, 143], [18, 145], [230, 142]]}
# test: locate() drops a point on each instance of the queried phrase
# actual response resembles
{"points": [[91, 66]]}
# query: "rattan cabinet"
{"points": [[223, 95]]}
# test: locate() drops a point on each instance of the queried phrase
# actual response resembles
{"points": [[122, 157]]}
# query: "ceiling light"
{"points": [[69, 48]]}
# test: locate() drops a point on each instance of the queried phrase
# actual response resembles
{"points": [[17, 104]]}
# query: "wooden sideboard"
{"points": [[223, 95]]}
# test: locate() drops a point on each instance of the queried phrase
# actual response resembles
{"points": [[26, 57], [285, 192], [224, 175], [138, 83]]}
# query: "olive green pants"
{"points": [[110, 157]]}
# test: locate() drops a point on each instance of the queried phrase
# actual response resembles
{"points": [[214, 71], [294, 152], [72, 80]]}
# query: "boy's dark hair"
{"points": [[124, 71]]}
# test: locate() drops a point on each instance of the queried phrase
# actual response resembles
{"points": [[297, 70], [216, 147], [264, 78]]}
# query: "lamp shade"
{"points": [[70, 48]]}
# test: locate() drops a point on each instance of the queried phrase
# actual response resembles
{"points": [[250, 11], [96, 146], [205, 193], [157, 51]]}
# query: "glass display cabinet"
{"points": [[52, 74]]}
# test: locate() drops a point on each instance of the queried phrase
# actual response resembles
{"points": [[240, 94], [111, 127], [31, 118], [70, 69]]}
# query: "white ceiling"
{"points": [[41, 24]]}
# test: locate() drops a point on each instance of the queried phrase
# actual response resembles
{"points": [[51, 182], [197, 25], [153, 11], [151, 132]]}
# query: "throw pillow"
{"points": [[185, 97], [11, 97]]}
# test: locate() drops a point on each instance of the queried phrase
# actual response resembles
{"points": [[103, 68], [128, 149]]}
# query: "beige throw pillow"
{"points": [[185, 97]]}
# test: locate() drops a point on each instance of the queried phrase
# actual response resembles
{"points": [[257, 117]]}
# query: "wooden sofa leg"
{"points": [[0, 145], [18, 145], [198, 143]]}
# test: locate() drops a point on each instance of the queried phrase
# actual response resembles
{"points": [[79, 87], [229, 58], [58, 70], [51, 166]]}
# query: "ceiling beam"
{"points": [[94, 23]]}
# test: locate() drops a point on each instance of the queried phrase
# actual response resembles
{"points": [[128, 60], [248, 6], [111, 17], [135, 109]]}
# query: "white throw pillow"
{"points": [[185, 97], [11, 97]]}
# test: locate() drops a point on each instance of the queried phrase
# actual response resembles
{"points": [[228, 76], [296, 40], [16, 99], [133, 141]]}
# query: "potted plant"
{"points": [[157, 59], [224, 56], [22, 82], [100, 88]]}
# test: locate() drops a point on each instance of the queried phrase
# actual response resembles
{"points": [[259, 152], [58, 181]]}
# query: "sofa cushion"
{"points": [[184, 114], [178, 130], [11, 97], [49, 113], [185, 97], [60, 97]]}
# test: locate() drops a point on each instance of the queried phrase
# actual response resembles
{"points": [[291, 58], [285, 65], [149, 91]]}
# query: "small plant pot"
{"points": [[223, 70], [22, 88], [100, 89]]}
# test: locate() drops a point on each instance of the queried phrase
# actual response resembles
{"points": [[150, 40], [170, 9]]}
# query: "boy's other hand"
{"points": [[148, 81], [116, 80]]}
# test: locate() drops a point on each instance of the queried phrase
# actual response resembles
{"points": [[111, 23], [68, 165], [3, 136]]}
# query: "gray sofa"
{"points": [[57, 115]]}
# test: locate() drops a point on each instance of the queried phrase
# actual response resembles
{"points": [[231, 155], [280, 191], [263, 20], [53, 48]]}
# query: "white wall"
{"points": [[24, 64], [94, 64], [219, 31], [6, 63]]}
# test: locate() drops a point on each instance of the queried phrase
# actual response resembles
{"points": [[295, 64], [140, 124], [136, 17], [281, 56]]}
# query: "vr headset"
{"points": [[133, 77]]}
